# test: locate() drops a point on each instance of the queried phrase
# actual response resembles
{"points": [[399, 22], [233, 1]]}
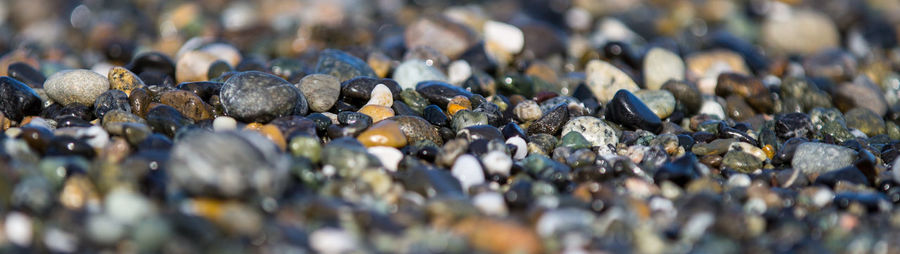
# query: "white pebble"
{"points": [[390, 157], [459, 71], [490, 203], [521, 147], [381, 95], [224, 123], [739, 180], [509, 37], [822, 197], [126, 206], [18, 228], [711, 107], [497, 162], [331, 240], [94, 136], [467, 170], [60, 241], [104, 229]]}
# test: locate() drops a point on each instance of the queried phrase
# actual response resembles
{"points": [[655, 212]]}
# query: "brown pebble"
{"points": [[377, 112], [189, 104], [384, 133]]}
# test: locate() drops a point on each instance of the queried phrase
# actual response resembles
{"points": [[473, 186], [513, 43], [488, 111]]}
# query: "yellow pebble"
{"points": [[124, 80], [253, 126], [274, 134], [769, 150], [384, 133], [377, 112], [458, 103]]}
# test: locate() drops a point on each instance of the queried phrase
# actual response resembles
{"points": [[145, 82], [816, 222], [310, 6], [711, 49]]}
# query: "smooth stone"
{"points": [[468, 171], [712, 108], [552, 122], [605, 80], [260, 97], [527, 111], [381, 95], [295, 125], [193, 66], [411, 72], [661, 102], [434, 115], [360, 88], [476, 132], [26, 74], [748, 88], [849, 174], [626, 109], [217, 68], [444, 35], [741, 161], [390, 157], [320, 90], [861, 93], [466, 118], [490, 203], [793, 125], [497, 163], [230, 164], [342, 65], [140, 100], [686, 94], [123, 80], [718, 146], [810, 157], [152, 61], [521, 147], [866, 121], [507, 37], [120, 116], [440, 93], [188, 104], [458, 103], [748, 148], [573, 140], [306, 146], [660, 66], [17, 100], [801, 31], [377, 112], [384, 133], [111, 100], [738, 109], [348, 156], [595, 130], [166, 120], [416, 129], [458, 72], [680, 171], [224, 123], [272, 133], [75, 86]]}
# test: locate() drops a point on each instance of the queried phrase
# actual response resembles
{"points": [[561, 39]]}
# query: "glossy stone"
{"points": [[627, 110], [111, 100], [259, 97], [320, 90], [123, 80], [342, 66], [17, 100]]}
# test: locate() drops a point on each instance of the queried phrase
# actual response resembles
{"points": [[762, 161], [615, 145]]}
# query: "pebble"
{"points": [[605, 80], [411, 72], [259, 97], [866, 121], [468, 171], [17, 100], [660, 66], [75, 86], [595, 130], [448, 37], [193, 65], [628, 110], [551, 122], [802, 32], [342, 66], [808, 157], [383, 133], [508, 37], [320, 90], [123, 80], [390, 157], [527, 111], [661, 102]]}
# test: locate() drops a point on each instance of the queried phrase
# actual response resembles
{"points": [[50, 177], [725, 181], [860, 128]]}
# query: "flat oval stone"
{"points": [[687, 94], [661, 65], [415, 129], [204, 89], [596, 131], [320, 90], [627, 110], [189, 104], [343, 66], [166, 120], [440, 93], [360, 88], [411, 72], [230, 164], [260, 97], [17, 99], [153, 61], [809, 157], [604, 80], [76, 86], [194, 66], [384, 133]]}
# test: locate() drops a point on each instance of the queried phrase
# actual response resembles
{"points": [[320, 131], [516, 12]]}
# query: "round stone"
{"points": [[75, 86], [604, 80], [260, 97], [661, 65], [596, 131], [17, 100], [411, 72], [661, 102], [321, 91]]}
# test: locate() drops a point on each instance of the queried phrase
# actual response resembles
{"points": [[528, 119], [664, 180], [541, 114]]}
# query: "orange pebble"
{"points": [[458, 103], [384, 133], [769, 150], [377, 112], [273, 133]]}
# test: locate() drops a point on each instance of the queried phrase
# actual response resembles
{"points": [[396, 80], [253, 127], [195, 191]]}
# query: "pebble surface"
{"points": [[611, 126]]}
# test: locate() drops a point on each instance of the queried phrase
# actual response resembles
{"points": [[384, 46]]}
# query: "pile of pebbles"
{"points": [[535, 126]]}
